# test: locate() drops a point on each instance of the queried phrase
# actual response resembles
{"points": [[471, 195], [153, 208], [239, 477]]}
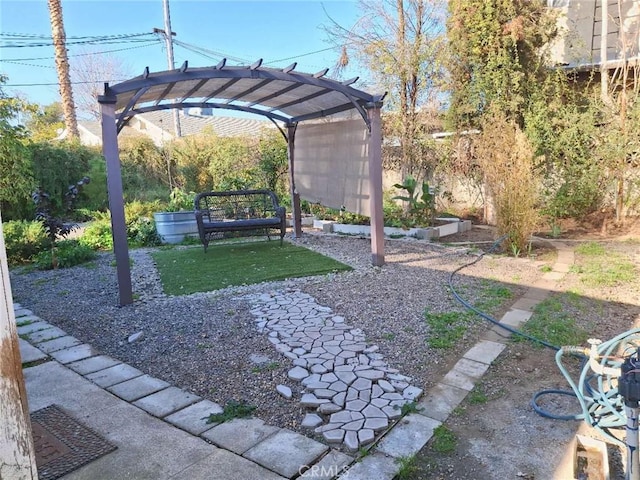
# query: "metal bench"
{"points": [[244, 212]]}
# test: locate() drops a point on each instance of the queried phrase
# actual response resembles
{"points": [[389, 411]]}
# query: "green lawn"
{"points": [[190, 270]]}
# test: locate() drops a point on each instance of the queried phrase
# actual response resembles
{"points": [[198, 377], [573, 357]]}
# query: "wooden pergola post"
{"points": [[17, 454], [375, 184], [116, 198], [296, 215]]}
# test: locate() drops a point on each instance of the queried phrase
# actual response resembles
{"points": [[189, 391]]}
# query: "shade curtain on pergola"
{"points": [[333, 151]]}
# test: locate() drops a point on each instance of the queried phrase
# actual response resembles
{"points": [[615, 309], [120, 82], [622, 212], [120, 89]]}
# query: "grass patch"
{"points": [[232, 410], [598, 267], [445, 329], [407, 466], [550, 322], [410, 407], [190, 270], [477, 397], [267, 367], [444, 440]]}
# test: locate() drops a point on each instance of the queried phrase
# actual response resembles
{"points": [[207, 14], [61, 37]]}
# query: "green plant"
{"points": [[97, 235], [444, 440], [477, 397], [180, 200], [23, 240], [445, 329], [546, 268], [232, 409], [67, 253], [406, 467], [421, 201], [598, 267], [410, 407], [551, 322], [266, 367]]}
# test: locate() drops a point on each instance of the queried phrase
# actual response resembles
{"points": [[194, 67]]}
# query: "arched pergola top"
{"points": [[280, 94]]}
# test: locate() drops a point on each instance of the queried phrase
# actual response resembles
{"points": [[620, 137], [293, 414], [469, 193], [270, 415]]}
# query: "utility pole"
{"points": [[168, 38]]}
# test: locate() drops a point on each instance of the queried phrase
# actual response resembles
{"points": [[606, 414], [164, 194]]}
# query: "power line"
{"points": [[56, 83], [152, 42]]}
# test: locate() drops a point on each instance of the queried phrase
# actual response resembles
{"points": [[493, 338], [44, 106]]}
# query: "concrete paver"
{"points": [[93, 364], [441, 401], [376, 466], [240, 435], [484, 352], [138, 387], [45, 335], [73, 354], [113, 375], [286, 452], [167, 401], [29, 353], [60, 343], [193, 419], [408, 436], [332, 464]]}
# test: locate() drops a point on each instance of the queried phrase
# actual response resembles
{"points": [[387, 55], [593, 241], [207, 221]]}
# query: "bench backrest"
{"points": [[237, 205]]}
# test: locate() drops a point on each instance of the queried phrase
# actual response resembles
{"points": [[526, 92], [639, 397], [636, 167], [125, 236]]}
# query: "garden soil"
{"points": [[497, 433]]}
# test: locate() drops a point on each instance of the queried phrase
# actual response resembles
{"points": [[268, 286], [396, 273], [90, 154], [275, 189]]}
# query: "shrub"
{"points": [[68, 253], [23, 240], [97, 235], [506, 159]]}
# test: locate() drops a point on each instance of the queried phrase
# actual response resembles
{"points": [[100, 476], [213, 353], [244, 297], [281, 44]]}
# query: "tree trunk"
{"points": [[62, 67]]}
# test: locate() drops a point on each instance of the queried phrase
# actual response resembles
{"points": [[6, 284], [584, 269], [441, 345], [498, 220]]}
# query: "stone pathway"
{"points": [[352, 391], [354, 395]]}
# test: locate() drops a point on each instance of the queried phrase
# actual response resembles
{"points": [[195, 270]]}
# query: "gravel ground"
{"points": [[204, 342]]}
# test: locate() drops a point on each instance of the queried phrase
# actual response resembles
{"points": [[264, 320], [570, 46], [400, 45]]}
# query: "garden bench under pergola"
{"points": [[344, 154]]}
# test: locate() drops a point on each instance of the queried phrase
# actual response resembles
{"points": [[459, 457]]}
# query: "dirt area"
{"points": [[497, 434]]}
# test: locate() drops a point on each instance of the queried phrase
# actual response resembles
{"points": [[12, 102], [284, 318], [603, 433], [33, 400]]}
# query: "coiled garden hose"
{"points": [[601, 405]]}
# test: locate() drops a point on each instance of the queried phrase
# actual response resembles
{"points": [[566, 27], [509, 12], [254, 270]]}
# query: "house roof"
{"points": [[221, 126]]}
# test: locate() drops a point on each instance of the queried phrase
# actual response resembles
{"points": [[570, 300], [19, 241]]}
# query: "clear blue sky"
{"points": [[277, 31]]}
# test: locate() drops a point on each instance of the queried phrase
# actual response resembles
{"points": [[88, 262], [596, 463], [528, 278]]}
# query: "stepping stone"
{"points": [[366, 436], [46, 335], [342, 417], [93, 364], [240, 434], [370, 374], [75, 353], [376, 391], [371, 411], [284, 391], [355, 425], [408, 437], [339, 399], [412, 393], [138, 387], [298, 373], [310, 400], [329, 377], [60, 343], [193, 419], [311, 420], [376, 424], [351, 441], [167, 401], [286, 452], [391, 412], [29, 353], [348, 377], [355, 405], [329, 408], [332, 463], [362, 384], [385, 386], [334, 436], [324, 393]]}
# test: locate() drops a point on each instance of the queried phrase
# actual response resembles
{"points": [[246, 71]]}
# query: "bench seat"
{"points": [[248, 212]]}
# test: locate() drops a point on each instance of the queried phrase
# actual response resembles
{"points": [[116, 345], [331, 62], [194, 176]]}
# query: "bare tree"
{"points": [[399, 42], [89, 72], [62, 67]]}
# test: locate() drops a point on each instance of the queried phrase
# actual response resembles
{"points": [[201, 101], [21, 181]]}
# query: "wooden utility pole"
{"points": [[168, 38], [17, 454]]}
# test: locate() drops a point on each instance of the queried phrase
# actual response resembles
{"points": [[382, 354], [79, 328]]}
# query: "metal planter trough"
{"points": [[174, 227]]}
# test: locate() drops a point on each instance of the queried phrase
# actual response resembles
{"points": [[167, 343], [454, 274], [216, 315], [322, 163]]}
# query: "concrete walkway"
{"points": [[161, 431]]}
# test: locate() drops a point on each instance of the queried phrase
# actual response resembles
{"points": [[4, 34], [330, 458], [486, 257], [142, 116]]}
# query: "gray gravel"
{"points": [[204, 342]]}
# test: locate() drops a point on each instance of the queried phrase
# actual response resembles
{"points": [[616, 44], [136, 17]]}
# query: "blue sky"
{"points": [[280, 32]]}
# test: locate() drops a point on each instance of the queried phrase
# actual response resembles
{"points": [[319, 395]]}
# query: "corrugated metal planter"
{"points": [[174, 227]]}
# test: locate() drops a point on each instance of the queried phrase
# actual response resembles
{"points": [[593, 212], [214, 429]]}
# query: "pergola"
{"points": [[284, 96]]}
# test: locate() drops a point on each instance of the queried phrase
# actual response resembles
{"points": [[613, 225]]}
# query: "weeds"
{"points": [[232, 409], [267, 367], [406, 467], [410, 407], [444, 440], [551, 322]]}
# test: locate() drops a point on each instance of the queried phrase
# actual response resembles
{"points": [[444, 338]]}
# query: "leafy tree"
{"points": [[45, 123], [400, 43], [16, 177], [273, 162], [495, 56]]}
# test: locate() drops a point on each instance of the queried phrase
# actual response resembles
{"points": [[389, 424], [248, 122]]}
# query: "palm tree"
{"points": [[62, 66]]}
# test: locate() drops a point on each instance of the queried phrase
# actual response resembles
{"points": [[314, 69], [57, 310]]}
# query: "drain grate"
{"points": [[62, 444]]}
